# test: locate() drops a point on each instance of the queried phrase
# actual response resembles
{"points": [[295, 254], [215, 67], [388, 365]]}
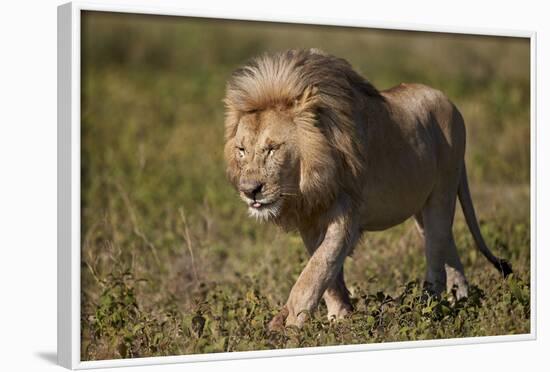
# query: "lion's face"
{"points": [[264, 153]]}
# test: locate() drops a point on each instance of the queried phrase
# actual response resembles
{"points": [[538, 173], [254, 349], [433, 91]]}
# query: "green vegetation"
{"points": [[171, 264]]}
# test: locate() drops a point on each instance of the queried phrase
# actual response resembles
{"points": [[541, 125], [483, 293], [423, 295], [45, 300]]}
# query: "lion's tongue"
{"points": [[256, 205]]}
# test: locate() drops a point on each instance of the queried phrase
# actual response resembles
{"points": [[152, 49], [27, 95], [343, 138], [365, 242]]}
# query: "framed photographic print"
{"points": [[235, 187]]}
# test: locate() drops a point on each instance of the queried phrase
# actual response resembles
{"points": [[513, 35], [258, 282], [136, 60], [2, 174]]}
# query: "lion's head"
{"points": [[291, 141]]}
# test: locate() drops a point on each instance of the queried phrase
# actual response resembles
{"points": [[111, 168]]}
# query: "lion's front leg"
{"points": [[322, 269], [336, 295]]}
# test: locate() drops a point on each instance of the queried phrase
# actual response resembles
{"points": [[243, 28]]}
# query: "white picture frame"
{"points": [[69, 16]]}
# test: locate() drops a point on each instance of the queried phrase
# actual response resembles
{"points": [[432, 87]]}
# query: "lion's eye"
{"points": [[270, 151], [241, 151]]}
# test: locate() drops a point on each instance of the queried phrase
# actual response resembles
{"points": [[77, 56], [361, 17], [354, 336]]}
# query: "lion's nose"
{"points": [[251, 188]]}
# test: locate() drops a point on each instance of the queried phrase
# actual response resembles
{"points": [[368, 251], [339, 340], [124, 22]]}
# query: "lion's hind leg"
{"points": [[337, 298], [444, 269]]}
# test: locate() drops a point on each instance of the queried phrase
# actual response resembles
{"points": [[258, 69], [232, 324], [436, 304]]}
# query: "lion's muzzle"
{"points": [[251, 188]]}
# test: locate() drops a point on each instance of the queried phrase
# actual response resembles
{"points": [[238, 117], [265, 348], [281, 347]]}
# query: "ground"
{"points": [[171, 264]]}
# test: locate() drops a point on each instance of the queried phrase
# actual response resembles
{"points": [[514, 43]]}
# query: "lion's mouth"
{"points": [[264, 210], [258, 204]]}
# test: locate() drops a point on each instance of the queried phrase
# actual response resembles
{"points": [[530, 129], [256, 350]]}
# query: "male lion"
{"points": [[313, 146]]}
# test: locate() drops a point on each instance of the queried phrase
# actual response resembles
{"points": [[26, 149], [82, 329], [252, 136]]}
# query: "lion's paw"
{"points": [[277, 324]]}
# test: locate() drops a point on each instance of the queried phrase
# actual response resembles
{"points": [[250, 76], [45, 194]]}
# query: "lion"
{"points": [[312, 146]]}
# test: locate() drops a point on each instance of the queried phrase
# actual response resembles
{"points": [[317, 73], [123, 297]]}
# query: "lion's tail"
{"points": [[469, 213]]}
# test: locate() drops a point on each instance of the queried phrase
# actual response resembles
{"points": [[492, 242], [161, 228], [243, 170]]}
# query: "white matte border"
{"points": [[69, 250]]}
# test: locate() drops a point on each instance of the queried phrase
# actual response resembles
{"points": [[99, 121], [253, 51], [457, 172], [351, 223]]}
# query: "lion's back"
{"points": [[431, 108]]}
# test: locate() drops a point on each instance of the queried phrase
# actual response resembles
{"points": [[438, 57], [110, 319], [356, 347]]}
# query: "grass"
{"points": [[172, 265]]}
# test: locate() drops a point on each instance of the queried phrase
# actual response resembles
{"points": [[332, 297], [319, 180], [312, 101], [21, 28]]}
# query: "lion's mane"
{"points": [[324, 95]]}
